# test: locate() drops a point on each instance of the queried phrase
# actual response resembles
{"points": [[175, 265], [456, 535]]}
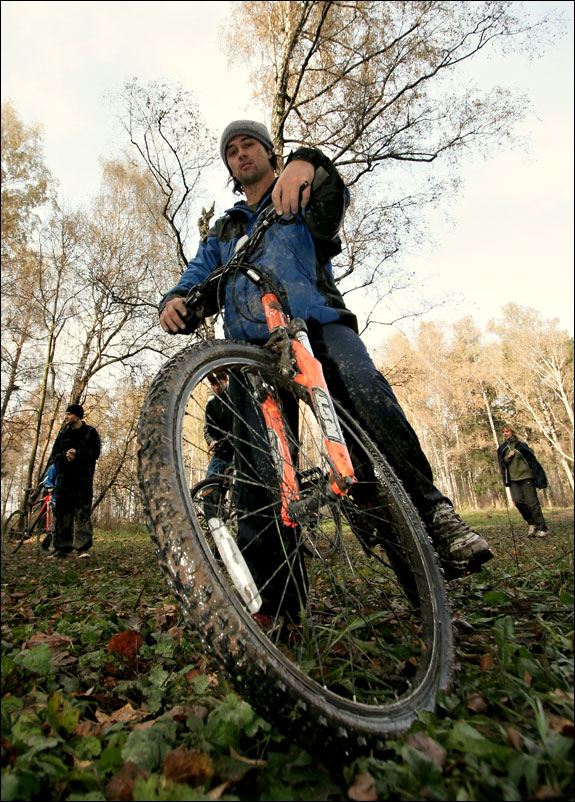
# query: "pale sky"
{"points": [[509, 237]]}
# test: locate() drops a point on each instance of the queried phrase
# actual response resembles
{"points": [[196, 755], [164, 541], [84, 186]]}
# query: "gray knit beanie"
{"points": [[244, 128]]}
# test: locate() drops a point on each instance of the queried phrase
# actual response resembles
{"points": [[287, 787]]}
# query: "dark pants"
{"points": [[73, 524], [211, 494], [362, 390], [358, 385], [524, 495]]}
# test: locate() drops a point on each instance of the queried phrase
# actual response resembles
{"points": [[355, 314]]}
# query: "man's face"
{"points": [[248, 160], [218, 383], [70, 418]]}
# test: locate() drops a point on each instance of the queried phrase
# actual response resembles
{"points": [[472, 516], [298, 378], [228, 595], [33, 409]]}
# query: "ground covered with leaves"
{"points": [[107, 694]]}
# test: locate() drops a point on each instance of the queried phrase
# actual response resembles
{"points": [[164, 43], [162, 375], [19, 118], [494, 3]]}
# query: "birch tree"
{"points": [[27, 186], [536, 368], [387, 90]]}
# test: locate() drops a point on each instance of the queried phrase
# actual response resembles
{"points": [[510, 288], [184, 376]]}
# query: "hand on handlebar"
{"points": [[175, 318]]}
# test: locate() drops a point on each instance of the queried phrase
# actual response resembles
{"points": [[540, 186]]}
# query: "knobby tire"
{"points": [[357, 644], [14, 532]]}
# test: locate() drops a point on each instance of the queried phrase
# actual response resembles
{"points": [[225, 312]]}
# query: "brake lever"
{"points": [[194, 298]]}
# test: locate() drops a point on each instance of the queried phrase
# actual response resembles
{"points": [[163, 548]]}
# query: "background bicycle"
{"points": [[36, 519]]}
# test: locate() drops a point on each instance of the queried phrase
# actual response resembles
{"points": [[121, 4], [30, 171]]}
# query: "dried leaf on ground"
{"points": [[476, 703], [121, 787], [188, 766], [363, 788], [428, 747]]}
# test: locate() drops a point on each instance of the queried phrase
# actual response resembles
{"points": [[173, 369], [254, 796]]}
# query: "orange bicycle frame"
{"points": [[310, 375]]}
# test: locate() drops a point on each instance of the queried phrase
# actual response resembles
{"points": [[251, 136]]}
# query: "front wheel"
{"points": [[347, 648], [14, 532]]}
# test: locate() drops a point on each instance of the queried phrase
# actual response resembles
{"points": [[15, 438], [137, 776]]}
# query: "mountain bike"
{"points": [[339, 650], [37, 518]]}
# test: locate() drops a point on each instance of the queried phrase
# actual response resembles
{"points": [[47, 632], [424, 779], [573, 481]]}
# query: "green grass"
{"points": [[106, 694]]}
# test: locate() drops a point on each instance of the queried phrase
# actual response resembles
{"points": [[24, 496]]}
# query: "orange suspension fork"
{"points": [[310, 376], [281, 456]]}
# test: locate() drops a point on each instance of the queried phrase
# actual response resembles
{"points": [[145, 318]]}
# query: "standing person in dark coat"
{"points": [[217, 431], [74, 454], [523, 474]]}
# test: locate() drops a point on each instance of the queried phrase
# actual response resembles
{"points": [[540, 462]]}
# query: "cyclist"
{"points": [[311, 197]]}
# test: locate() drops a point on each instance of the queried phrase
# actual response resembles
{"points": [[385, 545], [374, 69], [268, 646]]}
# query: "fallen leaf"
{"points": [[363, 788], [53, 641], [513, 737], [87, 727], [121, 787], [125, 643], [476, 703], [165, 614], [64, 658], [487, 662], [561, 694], [188, 766], [183, 712], [562, 725], [81, 764], [123, 714], [429, 747], [144, 725], [175, 633]]}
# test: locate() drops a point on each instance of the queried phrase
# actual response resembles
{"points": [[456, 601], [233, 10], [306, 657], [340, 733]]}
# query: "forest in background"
{"points": [[373, 84]]}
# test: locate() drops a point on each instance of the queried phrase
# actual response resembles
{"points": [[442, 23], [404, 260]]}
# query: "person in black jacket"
{"points": [[523, 474], [217, 433], [74, 454], [312, 198]]}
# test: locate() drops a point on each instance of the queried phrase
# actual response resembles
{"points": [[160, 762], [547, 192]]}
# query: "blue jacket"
{"points": [[50, 477], [297, 252]]}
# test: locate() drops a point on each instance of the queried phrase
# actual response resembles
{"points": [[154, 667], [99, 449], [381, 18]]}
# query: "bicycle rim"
{"points": [[350, 647], [14, 532]]}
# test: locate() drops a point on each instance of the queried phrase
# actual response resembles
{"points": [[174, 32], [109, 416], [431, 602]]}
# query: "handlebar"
{"points": [[208, 296]]}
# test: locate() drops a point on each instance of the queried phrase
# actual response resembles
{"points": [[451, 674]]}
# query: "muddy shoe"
{"points": [[532, 531], [461, 550]]}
